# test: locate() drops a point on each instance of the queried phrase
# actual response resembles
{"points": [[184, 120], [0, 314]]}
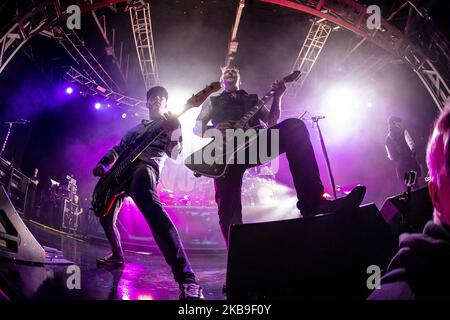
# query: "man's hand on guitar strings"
{"points": [[171, 124], [99, 170], [279, 87]]}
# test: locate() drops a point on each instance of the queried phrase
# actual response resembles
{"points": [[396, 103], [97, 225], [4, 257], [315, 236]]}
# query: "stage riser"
{"points": [[325, 257]]}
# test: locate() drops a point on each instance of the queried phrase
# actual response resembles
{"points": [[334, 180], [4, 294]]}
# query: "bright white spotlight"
{"points": [[341, 107], [124, 115], [176, 101], [69, 90], [97, 105]]}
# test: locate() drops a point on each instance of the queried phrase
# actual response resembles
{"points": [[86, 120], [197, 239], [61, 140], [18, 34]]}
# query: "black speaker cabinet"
{"points": [[408, 214], [324, 257]]}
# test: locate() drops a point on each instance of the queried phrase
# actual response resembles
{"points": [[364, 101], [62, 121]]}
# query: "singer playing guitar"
{"points": [[294, 140]]}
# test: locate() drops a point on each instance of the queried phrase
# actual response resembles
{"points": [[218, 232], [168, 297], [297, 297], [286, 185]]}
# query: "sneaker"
{"points": [[111, 261], [350, 201], [191, 291]]}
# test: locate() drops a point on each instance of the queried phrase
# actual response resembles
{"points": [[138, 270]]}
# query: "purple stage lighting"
{"points": [[124, 115], [69, 90], [97, 105]]}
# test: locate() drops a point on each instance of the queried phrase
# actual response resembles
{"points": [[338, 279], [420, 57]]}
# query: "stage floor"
{"points": [[146, 276]]}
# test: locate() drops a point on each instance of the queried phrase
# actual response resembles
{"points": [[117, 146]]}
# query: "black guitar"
{"points": [[110, 186], [216, 169]]}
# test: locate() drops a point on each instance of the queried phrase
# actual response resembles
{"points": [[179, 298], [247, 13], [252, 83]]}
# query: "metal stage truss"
{"points": [[40, 19], [128, 104], [423, 58], [315, 41], [233, 44], [352, 16], [83, 56], [143, 39]]}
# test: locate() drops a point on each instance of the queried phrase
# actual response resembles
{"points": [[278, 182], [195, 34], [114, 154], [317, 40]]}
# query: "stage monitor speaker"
{"points": [[324, 257], [16, 241], [408, 214]]}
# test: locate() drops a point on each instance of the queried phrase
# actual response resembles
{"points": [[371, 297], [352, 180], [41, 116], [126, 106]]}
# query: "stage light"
{"points": [[108, 105], [69, 90], [145, 297], [124, 115], [342, 108], [177, 100], [97, 105]]}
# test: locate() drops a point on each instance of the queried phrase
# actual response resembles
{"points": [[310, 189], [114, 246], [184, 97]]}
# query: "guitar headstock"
{"points": [[200, 97], [294, 76]]}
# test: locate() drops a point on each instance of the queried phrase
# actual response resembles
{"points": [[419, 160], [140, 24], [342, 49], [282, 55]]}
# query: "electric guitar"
{"points": [[111, 185], [215, 169]]}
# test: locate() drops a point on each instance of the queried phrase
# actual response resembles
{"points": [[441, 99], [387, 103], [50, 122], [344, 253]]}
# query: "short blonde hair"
{"points": [[438, 149]]}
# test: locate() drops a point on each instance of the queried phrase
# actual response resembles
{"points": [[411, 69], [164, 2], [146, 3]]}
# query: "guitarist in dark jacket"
{"points": [[294, 140], [141, 187]]}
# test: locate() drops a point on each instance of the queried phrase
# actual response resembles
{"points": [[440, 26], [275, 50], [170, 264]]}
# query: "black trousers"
{"points": [[141, 187], [294, 140]]}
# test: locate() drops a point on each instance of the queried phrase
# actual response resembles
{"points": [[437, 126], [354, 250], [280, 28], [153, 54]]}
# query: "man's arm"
{"points": [[275, 111], [111, 156], [271, 117], [391, 149], [389, 155], [203, 119], [410, 141], [114, 153]]}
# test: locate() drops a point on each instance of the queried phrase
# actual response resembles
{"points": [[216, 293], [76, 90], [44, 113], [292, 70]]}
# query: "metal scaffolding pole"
{"points": [[143, 39], [351, 15], [233, 44], [83, 56], [309, 53]]}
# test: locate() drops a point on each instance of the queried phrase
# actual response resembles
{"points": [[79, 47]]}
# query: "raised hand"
{"points": [[99, 170], [279, 87], [171, 124]]}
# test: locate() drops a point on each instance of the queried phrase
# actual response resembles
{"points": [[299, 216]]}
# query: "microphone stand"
{"points": [[315, 121], [325, 153], [5, 142]]}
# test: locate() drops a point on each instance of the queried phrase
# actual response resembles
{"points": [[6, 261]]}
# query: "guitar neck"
{"points": [[243, 121], [155, 130], [150, 135]]}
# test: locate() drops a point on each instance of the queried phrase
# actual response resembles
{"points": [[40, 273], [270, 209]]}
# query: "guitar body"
{"points": [[213, 170], [216, 165], [107, 190], [111, 186], [213, 160]]}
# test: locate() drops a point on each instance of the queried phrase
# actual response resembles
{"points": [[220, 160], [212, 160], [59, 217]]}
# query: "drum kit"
{"points": [[257, 189], [257, 186]]}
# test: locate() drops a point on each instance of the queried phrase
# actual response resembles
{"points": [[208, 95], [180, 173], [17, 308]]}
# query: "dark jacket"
{"points": [[421, 268], [226, 108]]}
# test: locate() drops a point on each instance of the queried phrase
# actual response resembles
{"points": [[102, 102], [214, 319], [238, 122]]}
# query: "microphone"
{"points": [[317, 118]]}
